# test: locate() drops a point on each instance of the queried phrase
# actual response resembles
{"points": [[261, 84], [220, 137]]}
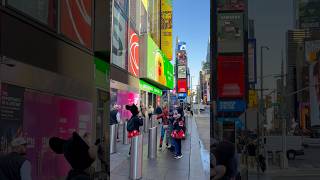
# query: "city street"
{"points": [[164, 167]]}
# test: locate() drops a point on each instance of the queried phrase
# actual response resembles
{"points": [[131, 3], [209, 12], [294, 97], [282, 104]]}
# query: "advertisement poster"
{"points": [[230, 76], [46, 116], [229, 5], [159, 68], [182, 72], [182, 58], [231, 106], [253, 99], [230, 32], [119, 39], [182, 85], [252, 61], [315, 93], [133, 53], [154, 20], [166, 28], [143, 20], [309, 13], [312, 50], [76, 21], [123, 5], [135, 13], [121, 94], [11, 114]]}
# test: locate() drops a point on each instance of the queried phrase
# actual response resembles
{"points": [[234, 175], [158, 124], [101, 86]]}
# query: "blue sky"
{"points": [[191, 23]]}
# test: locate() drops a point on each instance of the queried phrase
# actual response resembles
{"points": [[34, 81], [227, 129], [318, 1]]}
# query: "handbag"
{"points": [[178, 134]]}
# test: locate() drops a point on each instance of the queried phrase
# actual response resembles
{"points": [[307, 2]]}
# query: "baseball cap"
{"points": [[18, 141]]}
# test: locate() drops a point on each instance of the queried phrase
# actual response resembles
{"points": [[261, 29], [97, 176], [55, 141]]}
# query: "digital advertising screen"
{"points": [[119, 39], [133, 63], [230, 33], [230, 76], [182, 85], [182, 72], [229, 5], [76, 21]]}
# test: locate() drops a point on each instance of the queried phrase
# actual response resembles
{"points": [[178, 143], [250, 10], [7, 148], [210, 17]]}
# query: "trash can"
{"points": [[113, 138], [136, 157], [152, 143], [125, 133]]}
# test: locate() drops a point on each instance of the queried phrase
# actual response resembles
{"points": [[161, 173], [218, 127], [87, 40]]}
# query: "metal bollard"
{"points": [[113, 138], [125, 133], [152, 143], [136, 157], [153, 121], [146, 124]]}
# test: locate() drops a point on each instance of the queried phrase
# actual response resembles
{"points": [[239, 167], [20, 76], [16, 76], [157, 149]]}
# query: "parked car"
{"points": [[294, 145]]}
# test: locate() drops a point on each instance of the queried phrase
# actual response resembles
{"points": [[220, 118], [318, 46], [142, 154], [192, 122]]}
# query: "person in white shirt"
{"points": [[15, 165]]}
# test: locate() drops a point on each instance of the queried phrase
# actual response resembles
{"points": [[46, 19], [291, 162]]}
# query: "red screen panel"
{"points": [[231, 76], [182, 85]]}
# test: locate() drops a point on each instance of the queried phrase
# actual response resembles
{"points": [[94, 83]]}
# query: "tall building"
{"points": [[54, 72]]}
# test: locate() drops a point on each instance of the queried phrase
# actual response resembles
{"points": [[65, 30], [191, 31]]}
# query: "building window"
{"points": [[44, 11]]}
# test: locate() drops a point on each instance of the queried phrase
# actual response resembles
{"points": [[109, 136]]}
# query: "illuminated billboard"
{"points": [[76, 21], [133, 64], [119, 39], [159, 68], [230, 32], [230, 76], [312, 50], [182, 58], [182, 85], [309, 13], [252, 60], [166, 28], [315, 92], [182, 72]]}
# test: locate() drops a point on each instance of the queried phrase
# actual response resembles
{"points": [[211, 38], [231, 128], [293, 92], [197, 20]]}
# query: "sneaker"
{"points": [[178, 157], [160, 148], [169, 146]]}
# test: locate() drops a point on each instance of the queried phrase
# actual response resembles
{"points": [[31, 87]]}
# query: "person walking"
{"points": [[15, 166], [164, 127], [251, 149], [115, 118], [177, 134], [134, 123], [226, 156]]}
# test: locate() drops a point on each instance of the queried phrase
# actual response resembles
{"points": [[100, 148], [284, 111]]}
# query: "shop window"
{"points": [[44, 11]]}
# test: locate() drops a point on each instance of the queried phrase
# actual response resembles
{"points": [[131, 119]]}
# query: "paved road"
{"points": [[311, 159]]}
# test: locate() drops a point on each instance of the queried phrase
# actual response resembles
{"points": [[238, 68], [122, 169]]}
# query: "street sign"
{"points": [[231, 106]]}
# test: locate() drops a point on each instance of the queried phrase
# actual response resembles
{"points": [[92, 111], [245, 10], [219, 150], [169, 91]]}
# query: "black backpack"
{"points": [[132, 121]]}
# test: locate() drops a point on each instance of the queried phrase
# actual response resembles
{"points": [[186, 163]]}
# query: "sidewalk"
{"points": [[164, 167]]}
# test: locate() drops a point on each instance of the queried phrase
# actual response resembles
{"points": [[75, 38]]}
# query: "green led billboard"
{"points": [[159, 68]]}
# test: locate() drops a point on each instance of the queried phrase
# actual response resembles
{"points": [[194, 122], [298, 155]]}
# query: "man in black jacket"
{"points": [[115, 118], [15, 166]]}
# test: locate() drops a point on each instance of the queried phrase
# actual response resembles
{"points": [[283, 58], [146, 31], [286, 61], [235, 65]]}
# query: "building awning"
{"points": [[144, 86]]}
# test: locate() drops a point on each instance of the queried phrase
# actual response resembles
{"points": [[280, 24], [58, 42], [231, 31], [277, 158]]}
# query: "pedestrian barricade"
{"points": [[136, 157], [113, 138], [152, 143]]}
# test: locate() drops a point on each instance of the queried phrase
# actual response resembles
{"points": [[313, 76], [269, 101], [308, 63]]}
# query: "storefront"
{"points": [[150, 95], [123, 94]]}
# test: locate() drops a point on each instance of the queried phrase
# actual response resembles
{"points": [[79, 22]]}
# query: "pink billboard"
{"points": [[46, 116]]}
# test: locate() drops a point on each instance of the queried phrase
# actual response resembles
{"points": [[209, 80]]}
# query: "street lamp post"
{"points": [[261, 109]]}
